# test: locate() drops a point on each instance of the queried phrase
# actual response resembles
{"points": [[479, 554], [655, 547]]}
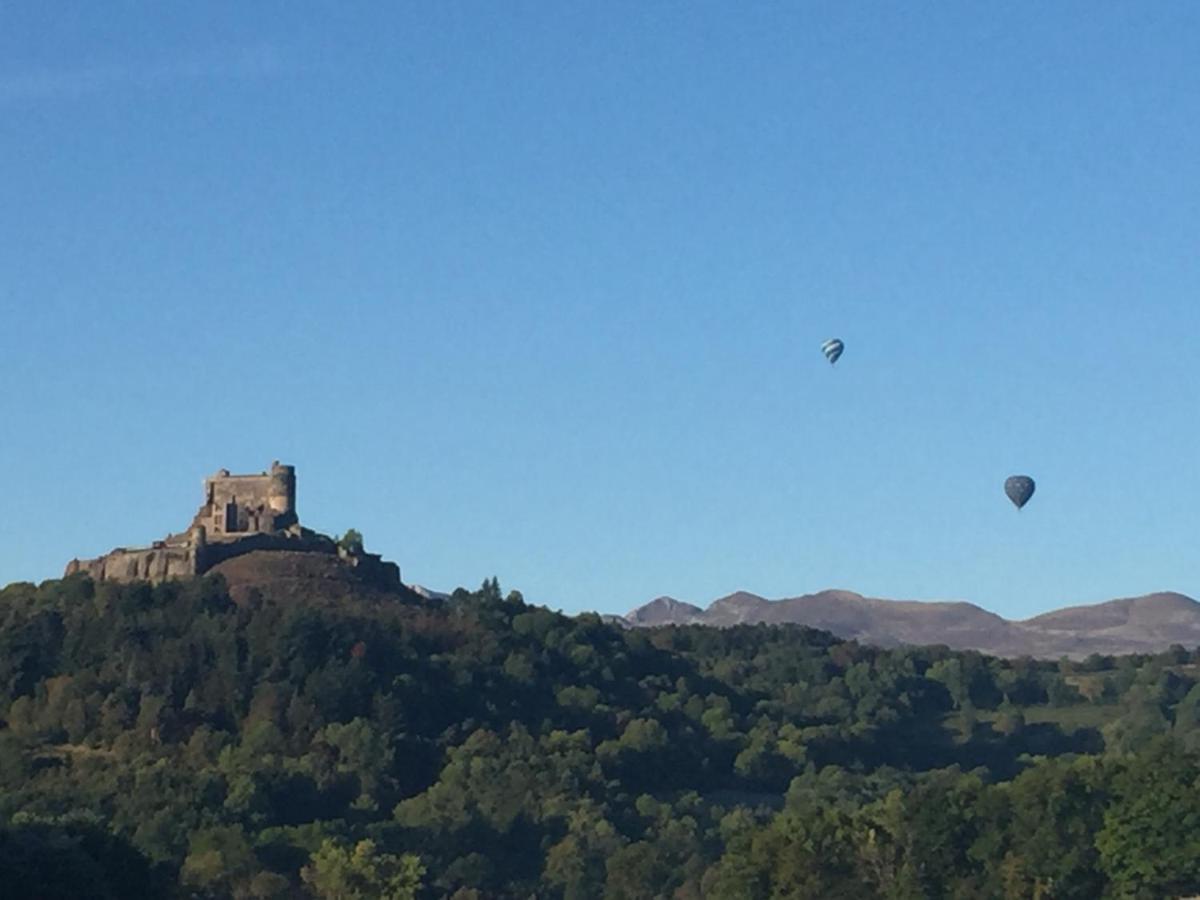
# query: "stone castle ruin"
{"points": [[241, 514], [249, 504]]}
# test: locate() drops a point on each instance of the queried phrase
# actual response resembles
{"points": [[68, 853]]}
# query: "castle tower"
{"points": [[282, 492]]}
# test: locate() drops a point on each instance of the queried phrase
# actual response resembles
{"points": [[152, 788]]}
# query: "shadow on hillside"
{"points": [[1007, 754], [920, 745]]}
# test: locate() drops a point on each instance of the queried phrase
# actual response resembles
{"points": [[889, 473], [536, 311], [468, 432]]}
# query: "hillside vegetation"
{"points": [[168, 742]]}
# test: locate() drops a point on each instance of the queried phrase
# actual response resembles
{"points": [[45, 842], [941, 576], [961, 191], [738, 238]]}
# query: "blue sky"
{"points": [[538, 290]]}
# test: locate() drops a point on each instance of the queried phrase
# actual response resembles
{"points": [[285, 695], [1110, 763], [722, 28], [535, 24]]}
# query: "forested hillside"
{"points": [[167, 742]]}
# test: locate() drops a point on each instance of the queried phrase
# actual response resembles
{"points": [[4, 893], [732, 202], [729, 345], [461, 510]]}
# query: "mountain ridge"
{"points": [[1148, 623]]}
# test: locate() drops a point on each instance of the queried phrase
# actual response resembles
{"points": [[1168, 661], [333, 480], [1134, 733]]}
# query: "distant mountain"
{"points": [[1146, 624], [665, 611], [428, 593], [1131, 625]]}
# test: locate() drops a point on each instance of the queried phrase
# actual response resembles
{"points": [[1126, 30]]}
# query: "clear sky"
{"points": [[537, 290]]}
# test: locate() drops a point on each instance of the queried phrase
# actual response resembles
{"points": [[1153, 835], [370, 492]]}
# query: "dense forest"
{"points": [[166, 742]]}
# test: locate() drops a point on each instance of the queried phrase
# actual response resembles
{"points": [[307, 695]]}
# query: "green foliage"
{"points": [[362, 872], [71, 856], [351, 541], [218, 859], [1150, 843], [485, 748]]}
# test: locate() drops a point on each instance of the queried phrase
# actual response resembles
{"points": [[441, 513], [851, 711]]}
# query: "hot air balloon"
{"points": [[1019, 489], [832, 349]]}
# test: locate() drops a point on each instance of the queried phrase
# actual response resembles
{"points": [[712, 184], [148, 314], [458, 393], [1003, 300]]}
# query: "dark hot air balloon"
{"points": [[1019, 489], [832, 349]]}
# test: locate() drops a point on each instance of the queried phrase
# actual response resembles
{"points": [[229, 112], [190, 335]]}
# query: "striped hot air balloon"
{"points": [[832, 349]]}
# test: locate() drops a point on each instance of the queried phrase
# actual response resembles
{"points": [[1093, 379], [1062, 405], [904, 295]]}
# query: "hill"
{"points": [[1148, 624], [284, 575], [280, 729]]}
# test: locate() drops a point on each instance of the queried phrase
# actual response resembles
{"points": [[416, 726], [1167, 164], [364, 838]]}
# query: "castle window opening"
{"points": [[231, 516]]}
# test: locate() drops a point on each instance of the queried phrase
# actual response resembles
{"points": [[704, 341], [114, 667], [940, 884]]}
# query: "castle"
{"points": [[241, 514], [249, 504]]}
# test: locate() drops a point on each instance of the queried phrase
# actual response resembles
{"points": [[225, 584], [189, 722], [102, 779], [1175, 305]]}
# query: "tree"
{"points": [[363, 753], [1010, 721], [218, 858], [1150, 843], [950, 673], [809, 855], [72, 856], [1046, 833], [351, 541], [1141, 721], [339, 872], [1060, 692], [576, 865], [1187, 720]]}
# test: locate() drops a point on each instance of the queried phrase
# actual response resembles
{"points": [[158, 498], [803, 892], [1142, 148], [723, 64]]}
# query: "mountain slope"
{"points": [[1133, 624], [665, 611], [1146, 624]]}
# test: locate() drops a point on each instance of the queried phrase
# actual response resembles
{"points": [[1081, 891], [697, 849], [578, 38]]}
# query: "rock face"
{"points": [[241, 514], [1148, 624]]}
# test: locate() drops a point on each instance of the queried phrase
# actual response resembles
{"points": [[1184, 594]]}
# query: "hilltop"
{"points": [[247, 527], [289, 575]]}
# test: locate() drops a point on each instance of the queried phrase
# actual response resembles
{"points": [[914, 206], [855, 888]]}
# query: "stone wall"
{"points": [[152, 564], [214, 553]]}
